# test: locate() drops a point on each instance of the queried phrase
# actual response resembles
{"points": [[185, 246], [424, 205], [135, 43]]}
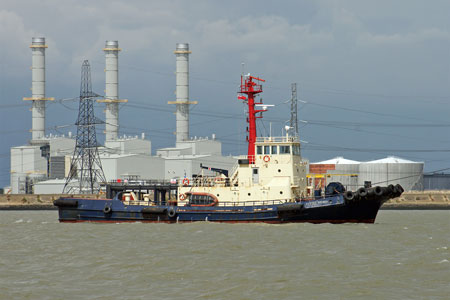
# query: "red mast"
{"points": [[251, 88]]}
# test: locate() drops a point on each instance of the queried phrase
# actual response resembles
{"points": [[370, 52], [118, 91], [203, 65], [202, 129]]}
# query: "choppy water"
{"points": [[405, 255]]}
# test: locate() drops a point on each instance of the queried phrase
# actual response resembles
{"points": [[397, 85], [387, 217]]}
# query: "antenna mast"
{"points": [[251, 88], [293, 126], [86, 171]]}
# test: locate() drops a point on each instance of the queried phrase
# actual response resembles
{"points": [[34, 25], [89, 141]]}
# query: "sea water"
{"points": [[404, 255]]}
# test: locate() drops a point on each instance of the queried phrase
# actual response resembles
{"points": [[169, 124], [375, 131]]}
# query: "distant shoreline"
{"points": [[28, 207], [412, 206]]}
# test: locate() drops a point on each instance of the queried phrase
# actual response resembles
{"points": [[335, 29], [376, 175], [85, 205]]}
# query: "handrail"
{"points": [[277, 139], [252, 203], [143, 182]]}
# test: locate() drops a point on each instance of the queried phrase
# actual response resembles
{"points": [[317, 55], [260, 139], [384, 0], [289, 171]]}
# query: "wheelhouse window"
{"points": [[266, 149], [259, 150], [285, 149], [296, 150], [274, 149]]}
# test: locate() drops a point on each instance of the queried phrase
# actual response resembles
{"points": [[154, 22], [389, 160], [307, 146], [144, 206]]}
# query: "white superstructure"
{"points": [[278, 173]]}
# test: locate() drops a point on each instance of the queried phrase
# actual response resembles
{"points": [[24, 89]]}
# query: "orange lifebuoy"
{"points": [[266, 158], [182, 197], [186, 181]]}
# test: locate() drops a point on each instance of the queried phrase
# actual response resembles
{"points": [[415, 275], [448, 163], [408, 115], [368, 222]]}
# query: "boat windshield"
{"points": [[278, 149]]}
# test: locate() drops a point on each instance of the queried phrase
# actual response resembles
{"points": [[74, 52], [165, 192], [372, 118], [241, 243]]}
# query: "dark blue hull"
{"points": [[332, 209]]}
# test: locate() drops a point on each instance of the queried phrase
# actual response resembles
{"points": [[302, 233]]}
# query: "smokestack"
{"points": [[112, 89], [182, 92], [38, 47]]}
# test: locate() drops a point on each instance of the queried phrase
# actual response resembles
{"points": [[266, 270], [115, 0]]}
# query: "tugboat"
{"points": [[266, 185]]}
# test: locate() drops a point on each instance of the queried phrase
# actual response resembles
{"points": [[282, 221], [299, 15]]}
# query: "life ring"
{"points": [[182, 197], [107, 209], [266, 158], [185, 181]]}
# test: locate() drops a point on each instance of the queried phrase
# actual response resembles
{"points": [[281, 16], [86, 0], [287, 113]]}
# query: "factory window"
{"points": [[258, 149], [266, 149], [274, 150], [285, 149]]}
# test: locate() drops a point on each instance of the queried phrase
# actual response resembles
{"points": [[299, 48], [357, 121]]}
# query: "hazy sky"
{"points": [[375, 74]]}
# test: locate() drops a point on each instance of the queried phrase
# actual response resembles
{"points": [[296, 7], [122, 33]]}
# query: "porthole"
{"points": [[249, 194], [279, 170], [281, 192]]}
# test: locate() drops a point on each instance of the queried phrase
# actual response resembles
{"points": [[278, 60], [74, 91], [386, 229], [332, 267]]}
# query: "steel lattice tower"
{"points": [[293, 130], [86, 171]]}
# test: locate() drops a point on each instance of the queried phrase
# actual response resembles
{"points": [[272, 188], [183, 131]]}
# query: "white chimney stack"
{"points": [[112, 90], [182, 92], [38, 98]]}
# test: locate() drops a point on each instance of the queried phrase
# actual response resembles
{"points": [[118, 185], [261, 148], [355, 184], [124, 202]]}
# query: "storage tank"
{"points": [[392, 170]]}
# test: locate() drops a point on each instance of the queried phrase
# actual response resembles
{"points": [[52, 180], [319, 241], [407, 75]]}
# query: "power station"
{"points": [[43, 165]]}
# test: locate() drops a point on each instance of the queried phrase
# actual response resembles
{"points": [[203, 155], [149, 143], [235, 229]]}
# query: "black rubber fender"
{"points": [[154, 210], [398, 190], [171, 212], [362, 192], [290, 207], [349, 196], [65, 202], [378, 191], [107, 209], [390, 190]]}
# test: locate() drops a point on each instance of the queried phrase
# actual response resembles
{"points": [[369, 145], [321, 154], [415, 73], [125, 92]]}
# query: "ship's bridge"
{"points": [[277, 145]]}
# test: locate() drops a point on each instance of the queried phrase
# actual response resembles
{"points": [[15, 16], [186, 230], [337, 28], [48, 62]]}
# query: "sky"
{"points": [[373, 77]]}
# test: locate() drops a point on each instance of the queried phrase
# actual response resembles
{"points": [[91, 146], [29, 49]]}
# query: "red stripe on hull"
{"points": [[370, 221]]}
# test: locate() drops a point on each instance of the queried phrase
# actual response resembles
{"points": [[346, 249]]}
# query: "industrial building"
{"points": [[42, 165], [353, 174]]}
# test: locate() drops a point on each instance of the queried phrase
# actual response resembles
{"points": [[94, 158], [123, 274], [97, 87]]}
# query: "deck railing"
{"points": [[277, 139]]}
